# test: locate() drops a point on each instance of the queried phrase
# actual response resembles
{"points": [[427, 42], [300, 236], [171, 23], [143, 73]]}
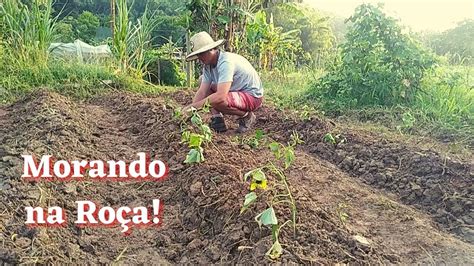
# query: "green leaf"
{"points": [[196, 119], [195, 140], [289, 156], [223, 19], [177, 114], [256, 174], [267, 217], [195, 156], [275, 148], [329, 138], [259, 175], [185, 136], [249, 199], [275, 251], [259, 134], [206, 131], [253, 143]]}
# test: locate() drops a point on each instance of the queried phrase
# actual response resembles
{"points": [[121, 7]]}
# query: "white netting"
{"points": [[80, 50]]}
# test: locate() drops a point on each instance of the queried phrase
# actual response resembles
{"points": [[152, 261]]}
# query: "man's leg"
{"points": [[229, 110], [238, 103], [217, 119], [241, 104]]}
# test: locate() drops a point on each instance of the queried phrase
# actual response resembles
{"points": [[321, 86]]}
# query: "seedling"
{"points": [[329, 138], [195, 135], [408, 121], [341, 212], [253, 142], [285, 156], [334, 139], [304, 113]]}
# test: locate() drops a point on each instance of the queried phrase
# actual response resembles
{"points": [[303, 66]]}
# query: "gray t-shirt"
{"points": [[236, 69]]}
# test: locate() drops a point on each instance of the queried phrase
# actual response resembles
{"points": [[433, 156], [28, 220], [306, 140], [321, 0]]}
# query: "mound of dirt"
{"points": [[429, 181], [201, 221]]}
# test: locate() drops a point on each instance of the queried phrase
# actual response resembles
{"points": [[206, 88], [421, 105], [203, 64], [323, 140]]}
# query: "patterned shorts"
{"points": [[241, 100]]}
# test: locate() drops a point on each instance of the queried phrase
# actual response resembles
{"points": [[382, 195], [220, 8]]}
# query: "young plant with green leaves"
{"points": [[195, 134], [281, 193], [253, 142], [334, 139]]}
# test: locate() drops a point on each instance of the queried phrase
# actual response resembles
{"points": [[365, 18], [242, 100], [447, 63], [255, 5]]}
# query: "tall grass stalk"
{"points": [[131, 40], [121, 32], [27, 32]]}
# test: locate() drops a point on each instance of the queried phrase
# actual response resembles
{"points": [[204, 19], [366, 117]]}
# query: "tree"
{"points": [[380, 65], [457, 43], [65, 32], [76, 7], [86, 26], [315, 34], [271, 46]]}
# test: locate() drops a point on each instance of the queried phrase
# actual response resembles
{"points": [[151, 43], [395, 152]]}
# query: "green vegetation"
{"points": [[316, 38], [280, 193], [379, 65], [443, 108], [386, 77], [456, 44], [376, 73], [25, 64], [195, 135], [86, 26]]}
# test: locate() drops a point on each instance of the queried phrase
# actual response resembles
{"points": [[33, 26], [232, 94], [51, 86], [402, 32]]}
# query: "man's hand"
{"points": [[187, 108]]}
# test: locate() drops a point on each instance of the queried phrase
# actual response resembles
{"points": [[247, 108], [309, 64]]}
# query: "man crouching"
{"points": [[229, 82]]}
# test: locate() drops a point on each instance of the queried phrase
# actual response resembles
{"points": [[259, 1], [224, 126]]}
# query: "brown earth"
{"points": [[411, 205]]}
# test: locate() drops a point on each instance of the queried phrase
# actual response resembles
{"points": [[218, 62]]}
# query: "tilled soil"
{"points": [[201, 221], [425, 179]]}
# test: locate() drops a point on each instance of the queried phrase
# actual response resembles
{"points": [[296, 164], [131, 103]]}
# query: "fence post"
{"points": [[158, 74], [189, 64]]}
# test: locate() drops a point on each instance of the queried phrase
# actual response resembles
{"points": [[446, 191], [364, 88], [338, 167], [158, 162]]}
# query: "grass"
{"points": [[27, 29], [132, 39], [288, 91], [71, 78], [443, 109], [25, 64], [447, 100]]}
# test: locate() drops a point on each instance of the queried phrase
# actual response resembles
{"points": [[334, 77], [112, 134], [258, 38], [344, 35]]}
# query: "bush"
{"points": [[86, 26], [170, 73], [65, 32], [379, 65], [457, 44]]}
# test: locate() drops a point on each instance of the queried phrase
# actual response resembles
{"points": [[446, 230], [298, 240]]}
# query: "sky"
{"points": [[420, 15]]}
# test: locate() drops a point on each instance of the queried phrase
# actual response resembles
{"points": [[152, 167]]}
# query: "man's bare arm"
{"points": [[218, 98], [202, 91]]}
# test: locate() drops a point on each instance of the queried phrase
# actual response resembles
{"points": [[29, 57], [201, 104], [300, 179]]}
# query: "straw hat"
{"points": [[200, 43]]}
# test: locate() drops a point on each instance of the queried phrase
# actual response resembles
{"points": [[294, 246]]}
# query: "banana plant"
{"points": [[269, 42]]}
